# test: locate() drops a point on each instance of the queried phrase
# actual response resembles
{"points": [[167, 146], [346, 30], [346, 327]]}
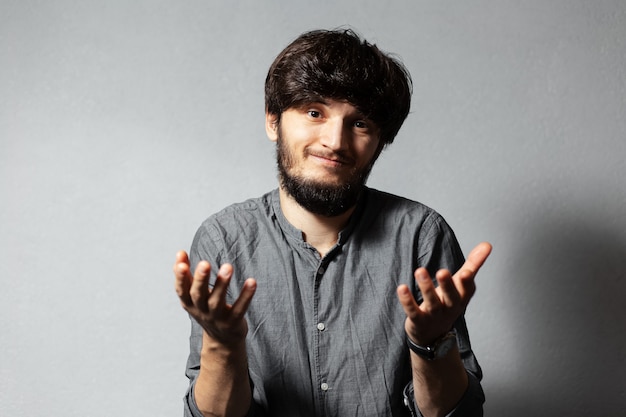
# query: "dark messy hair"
{"points": [[338, 64]]}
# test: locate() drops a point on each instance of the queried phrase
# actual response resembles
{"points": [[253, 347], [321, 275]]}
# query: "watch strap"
{"points": [[436, 350]]}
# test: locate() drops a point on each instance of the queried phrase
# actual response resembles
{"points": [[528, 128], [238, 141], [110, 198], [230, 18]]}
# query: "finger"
{"points": [[464, 278], [465, 284], [448, 293], [431, 301], [181, 256], [477, 257], [182, 279], [410, 306], [217, 300], [245, 297], [199, 291]]}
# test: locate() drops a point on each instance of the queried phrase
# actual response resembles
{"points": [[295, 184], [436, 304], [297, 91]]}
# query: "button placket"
{"points": [[320, 327]]}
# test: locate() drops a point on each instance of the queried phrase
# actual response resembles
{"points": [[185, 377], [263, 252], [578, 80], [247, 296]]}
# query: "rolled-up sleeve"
{"points": [[471, 404]]}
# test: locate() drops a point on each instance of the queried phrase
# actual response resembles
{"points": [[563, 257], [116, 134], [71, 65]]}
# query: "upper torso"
{"points": [[326, 335]]}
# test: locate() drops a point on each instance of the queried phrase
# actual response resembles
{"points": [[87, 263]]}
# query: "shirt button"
{"points": [[321, 327], [321, 270], [324, 386]]}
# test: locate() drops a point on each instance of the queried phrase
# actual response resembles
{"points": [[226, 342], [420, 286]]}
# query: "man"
{"points": [[342, 317]]}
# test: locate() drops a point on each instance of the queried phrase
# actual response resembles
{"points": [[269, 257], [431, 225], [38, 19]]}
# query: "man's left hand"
{"points": [[441, 305]]}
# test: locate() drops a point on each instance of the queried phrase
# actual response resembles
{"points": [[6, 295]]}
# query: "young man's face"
{"points": [[325, 151]]}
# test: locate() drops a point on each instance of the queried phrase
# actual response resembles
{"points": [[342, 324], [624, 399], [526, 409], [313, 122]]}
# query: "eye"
{"points": [[360, 124], [314, 114]]}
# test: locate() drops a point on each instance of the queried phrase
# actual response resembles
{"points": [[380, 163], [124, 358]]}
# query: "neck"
{"points": [[319, 231]]}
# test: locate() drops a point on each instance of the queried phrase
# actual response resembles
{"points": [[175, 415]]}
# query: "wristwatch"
{"points": [[437, 350]]}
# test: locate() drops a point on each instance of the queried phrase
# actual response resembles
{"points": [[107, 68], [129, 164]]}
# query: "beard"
{"points": [[328, 200]]}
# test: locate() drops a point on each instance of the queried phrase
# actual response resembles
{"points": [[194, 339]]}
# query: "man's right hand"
{"points": [[223, 323]]}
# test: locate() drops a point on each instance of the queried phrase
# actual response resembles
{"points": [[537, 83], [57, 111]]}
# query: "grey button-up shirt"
{"points": [[326, 335]]}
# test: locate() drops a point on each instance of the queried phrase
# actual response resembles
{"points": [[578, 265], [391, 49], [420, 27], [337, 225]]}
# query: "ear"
{"points": [[271, 126]]}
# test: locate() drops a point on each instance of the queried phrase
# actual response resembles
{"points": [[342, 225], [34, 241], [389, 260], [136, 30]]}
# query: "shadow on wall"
{"points": [[567, 313]]}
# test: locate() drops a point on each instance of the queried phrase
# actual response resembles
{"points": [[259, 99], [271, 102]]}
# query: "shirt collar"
{"points": [[296, 233]]}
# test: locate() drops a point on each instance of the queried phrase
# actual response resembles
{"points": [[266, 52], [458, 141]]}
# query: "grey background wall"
{"points": [[123, 124]]}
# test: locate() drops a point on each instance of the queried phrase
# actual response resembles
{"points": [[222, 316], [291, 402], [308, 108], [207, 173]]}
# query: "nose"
{"points": [[335, 134]]}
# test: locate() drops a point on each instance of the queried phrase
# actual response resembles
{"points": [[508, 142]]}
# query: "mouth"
{"points": [[330, 159]]}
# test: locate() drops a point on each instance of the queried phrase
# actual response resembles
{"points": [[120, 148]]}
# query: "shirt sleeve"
{"points": [[193, 367], [439, 248], [471, 404]]}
